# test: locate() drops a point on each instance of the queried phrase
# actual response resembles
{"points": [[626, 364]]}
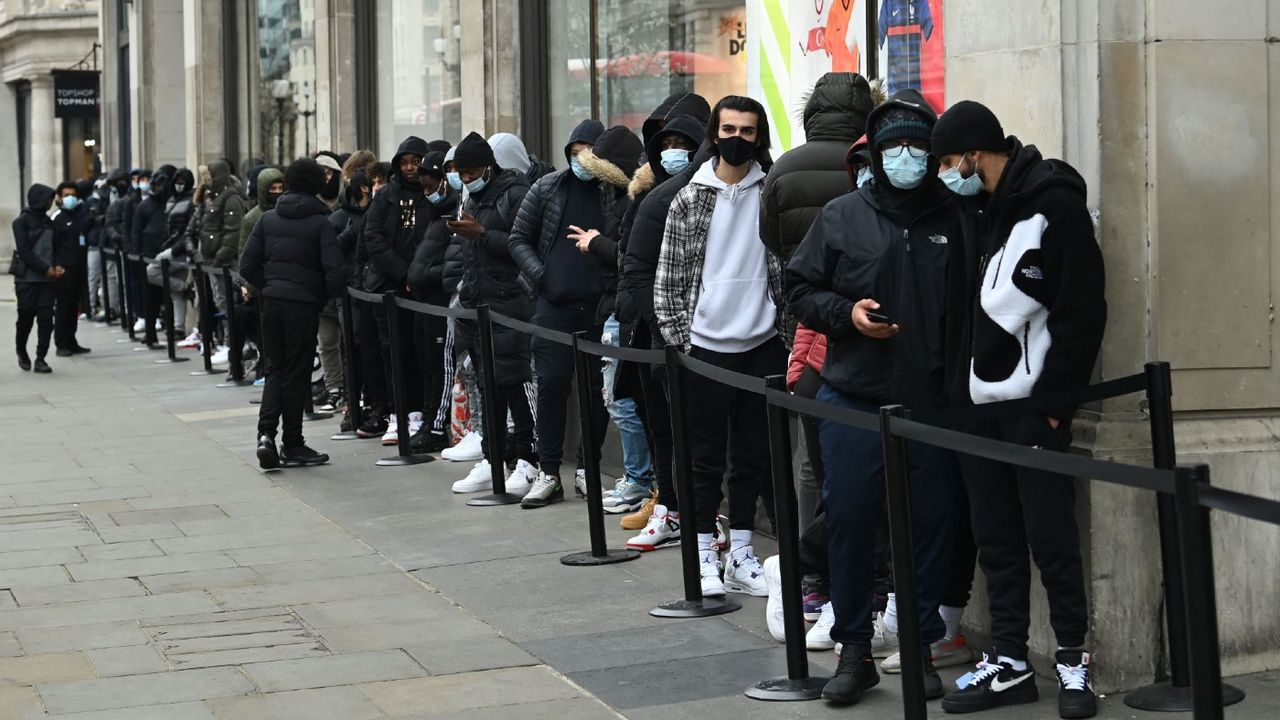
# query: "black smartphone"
{"points": [[876, 317]]}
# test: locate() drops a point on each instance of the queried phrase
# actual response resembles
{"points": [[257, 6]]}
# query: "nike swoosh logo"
{"points": [[997, 686]]}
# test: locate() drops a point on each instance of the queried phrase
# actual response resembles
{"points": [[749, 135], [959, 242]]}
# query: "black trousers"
{"points": [[372, 370], [153, 305], [35, 308], [728, 436], [1014, 508], [655, 415], [289, 343], [553, 364], [412, 373], [429, 334], [66, 319]]}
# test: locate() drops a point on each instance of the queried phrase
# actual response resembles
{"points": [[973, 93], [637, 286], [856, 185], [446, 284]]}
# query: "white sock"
{"points": [[739, 539], [1019, 665], [951, 618], [891, 614], [704, 542]]}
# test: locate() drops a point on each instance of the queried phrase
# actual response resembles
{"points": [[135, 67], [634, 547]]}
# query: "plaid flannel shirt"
{"points": [[678, 281]]}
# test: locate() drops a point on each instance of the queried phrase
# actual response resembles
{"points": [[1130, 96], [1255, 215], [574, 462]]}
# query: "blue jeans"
{"points": [[636, 460]]}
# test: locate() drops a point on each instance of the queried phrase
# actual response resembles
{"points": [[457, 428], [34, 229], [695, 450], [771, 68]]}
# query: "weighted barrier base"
{"points": [[348, 435], [163, 361], [787, 690], [586, 559], [198, 373], [125, 339], [235, 383], [495, 500], [401, 460], [313, 416], [706, 607], [1164, 697], [145, 348]]}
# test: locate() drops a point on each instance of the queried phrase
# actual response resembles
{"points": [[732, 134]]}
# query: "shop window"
{"points": [[418, 71], [285, 77]]}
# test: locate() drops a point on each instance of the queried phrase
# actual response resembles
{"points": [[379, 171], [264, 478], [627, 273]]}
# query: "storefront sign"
{"points": [[75, 93]]}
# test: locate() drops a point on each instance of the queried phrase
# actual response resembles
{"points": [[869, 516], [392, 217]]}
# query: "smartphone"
{"points": [[876, 317]]}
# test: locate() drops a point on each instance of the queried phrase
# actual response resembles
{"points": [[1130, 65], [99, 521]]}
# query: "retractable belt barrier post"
{"points": [[494, 426], [797, 685], [235, 336], [106, 290], [204, 296], [902, 548], [1196, 545], [148, 340], [693, 604], [351, 370], [169, 341], [599, 553], [126, 307], [404, 454]]}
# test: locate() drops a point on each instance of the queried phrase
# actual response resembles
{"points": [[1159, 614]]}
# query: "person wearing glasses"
{"points": [[871, 275]]}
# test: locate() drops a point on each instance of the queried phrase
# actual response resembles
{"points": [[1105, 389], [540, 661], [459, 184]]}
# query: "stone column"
{"points": [[202, 28], [490, 57], [46, 143], [335, 95]]}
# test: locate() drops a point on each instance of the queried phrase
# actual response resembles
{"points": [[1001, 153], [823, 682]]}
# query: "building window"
{"points": [[419, 77], [285, 73]]}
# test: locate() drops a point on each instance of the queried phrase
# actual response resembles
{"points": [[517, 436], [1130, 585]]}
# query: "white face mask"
{"points": [[960, 185], [864, 176]]}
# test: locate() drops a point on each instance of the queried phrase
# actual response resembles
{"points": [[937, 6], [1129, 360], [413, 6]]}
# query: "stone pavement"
{"points": [[148, 569]]}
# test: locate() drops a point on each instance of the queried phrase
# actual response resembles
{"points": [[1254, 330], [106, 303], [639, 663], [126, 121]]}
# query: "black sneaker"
{"points": [[426, 441], [932, 683], [41, 366], [374, 427], [24, 360], [302, 456], [64, 352], [855, 673], [1076, 698], [80, 350], [268, 457], [992, 684], [345, 426]]}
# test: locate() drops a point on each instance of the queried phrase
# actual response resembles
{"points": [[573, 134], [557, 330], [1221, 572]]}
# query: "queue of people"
{"points": [[897, 257]]}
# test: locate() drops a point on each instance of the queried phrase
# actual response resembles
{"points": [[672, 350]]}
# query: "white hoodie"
{"points": [[735, 312]]}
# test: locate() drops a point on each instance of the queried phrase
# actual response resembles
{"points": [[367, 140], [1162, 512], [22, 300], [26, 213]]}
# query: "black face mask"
{"points": [[735, 150], [331, 188], [272, 197]]}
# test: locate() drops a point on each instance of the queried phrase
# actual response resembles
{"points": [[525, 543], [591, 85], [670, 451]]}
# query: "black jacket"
{"points": [[1036, 259], [34, 237], [70, 226], [811, 175], [350, 238], [427, 275], [394, 224], [150, 224], [178, 212], [293, 254]]}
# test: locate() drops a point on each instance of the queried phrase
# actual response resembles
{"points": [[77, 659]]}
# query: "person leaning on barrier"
{"points": [[1034, 305], [34, 268], [294, 261], [885, 248]]}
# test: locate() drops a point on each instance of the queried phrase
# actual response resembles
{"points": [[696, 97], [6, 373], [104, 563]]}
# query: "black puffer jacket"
{"points": [[394, 224], [220, 223], [150, 224], [809, 176], [178, 212], [33, 235], [427, 275], [293, 254], [349, 239]]}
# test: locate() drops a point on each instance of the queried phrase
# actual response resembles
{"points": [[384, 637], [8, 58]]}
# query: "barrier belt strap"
{"points": [[746, 383], [435, 310], [364, 296], [1238, 503], [1047, 460], [555, 336], [1041, 403], [824, 411], [625, 354]]}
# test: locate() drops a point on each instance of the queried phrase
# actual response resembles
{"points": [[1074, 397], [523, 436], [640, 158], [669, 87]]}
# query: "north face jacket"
{"points": [[293, 254], [394, 224]]}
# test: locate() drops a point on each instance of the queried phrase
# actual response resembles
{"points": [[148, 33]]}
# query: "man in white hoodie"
{"points": [[717, 294]]}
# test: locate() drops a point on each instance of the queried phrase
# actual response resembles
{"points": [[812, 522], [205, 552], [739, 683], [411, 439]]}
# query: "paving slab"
{"points": [[20, 703], [334, 670], [129, 660], [344, 703], [455, 693], [121, 550], [89, 636], [143, 690], [78, 592], [175, 711], [137, 567], [208, 580], [32, 669]]}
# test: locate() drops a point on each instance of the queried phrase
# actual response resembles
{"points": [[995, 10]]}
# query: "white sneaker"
{"points": [[580, 482], [415, 423], [743, 574], [773, 616], [710, 569], [159, 325], [469, 449], [720, 539], [221, 355], [190, 341], [521, 480], [883, 643], [478, 480], [661, 531], [946, 653], [392, 435], [546, 489], [140, 325], [819, 636]]}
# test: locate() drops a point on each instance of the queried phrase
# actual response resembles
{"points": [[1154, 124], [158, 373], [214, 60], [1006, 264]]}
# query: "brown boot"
{"points": [[638, 519]]}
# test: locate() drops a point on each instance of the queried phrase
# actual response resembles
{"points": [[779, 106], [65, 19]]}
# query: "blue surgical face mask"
{"points": [[675, 160], [439, 196], [144, 187], [960, 185], [905, 172], [455, 181], [864, 176], [477, 185], [70, 202], [580, 172]]}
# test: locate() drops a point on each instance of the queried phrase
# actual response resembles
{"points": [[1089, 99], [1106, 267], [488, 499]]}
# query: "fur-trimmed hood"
{"points": [[614, 157], [643, 181]]}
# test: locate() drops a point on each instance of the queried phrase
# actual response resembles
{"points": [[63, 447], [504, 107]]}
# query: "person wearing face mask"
{"points": [[113, 237], [1032, 297], [70, 221], [717, 295], [884, 249], [141, 188], [178, 210], [490, 201], [225, 207], [332, 178], [35, 252], [857, 163], [150, 225], [270, 186]]}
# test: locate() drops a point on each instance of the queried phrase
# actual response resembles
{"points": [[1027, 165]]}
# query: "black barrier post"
{"points": [[128, 323], [1196, 543], [125, 325], [205, 298], [902, 548], [149, 339], [106, 288], [1173, 695], [169, 341], [404, 454], [350, 368], [693, 604], [235, 338], [599, 553], [494, 426], [797, 685]]}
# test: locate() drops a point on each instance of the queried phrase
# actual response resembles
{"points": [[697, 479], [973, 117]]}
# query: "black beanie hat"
{"points": [[898, 123], [473, 152], [968, 126], [433, 164]]}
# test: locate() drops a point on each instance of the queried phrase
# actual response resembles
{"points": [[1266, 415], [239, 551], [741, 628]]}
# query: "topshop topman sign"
{"points": [[75, 93]]}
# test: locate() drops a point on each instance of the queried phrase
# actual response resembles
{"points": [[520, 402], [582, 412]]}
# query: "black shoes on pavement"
{"points": [[24, 360], [41, 366], [73, 350], [993, 684], [425, 442], [268, 456], [855, 674], [64, 352], [1076, 698], [302, 456]]}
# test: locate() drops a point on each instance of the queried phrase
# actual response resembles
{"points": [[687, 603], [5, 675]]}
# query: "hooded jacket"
{"points": [[895, 247], [150, 223], [263, 180], [351, 237], [33, 236], [1032, 289], [427, 273], [113, 222], [809, 176], [394, 224], [178, 211], [220, 223], [292, 253]]}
